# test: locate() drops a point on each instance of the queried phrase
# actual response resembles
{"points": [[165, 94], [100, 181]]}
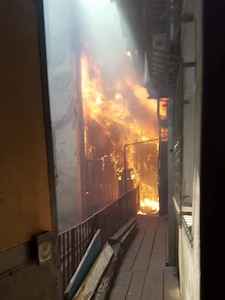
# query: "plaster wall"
{"points": [[24, 188], [64, 112], [189, 256], [197, 150], [27, 202]]}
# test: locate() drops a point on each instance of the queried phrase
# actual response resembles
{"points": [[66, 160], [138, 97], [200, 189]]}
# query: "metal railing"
{"points": [[177, 142], [74, 242]]}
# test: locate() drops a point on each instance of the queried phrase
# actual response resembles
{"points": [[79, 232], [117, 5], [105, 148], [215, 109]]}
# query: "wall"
{"points": [[189, 255], [27, 202], [64, 109]]}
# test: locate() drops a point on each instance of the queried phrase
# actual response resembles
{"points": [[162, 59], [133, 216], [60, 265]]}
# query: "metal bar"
{"points": [[74, 242], [64, 263], [73, 250], [68, 255]]}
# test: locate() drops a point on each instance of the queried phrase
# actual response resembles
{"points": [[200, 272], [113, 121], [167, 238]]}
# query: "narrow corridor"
{"points": [[143, 273]]}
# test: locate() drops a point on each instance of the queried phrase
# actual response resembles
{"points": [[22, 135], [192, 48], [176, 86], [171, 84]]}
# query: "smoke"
{"points": [[117, 120], [102, 35]]}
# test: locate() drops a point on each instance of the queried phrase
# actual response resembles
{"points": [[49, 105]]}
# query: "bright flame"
{"points": [[148, 206], [117, 116], [129, 54], [98, 100]]}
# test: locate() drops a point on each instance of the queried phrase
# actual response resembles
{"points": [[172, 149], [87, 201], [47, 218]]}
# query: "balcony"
{"points": [[131, 261]]}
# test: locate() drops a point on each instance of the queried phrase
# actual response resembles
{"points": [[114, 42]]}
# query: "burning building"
{"points": [[117, 125], [103, 118]]}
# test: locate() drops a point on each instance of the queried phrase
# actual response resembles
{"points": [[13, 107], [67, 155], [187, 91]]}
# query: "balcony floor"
{"points": [[143, 273]]}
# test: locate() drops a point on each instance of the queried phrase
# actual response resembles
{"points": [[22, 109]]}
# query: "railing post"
{"points": [[74, 242]]}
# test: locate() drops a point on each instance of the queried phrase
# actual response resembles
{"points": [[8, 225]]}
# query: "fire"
{"points": [[118, 113], [148, 206]]}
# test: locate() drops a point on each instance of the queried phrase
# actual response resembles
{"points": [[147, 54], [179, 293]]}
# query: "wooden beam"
{"points": [[92, 280]]}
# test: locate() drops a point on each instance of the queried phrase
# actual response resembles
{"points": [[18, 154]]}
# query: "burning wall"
{"points": [[116, 116], [117, 108]]}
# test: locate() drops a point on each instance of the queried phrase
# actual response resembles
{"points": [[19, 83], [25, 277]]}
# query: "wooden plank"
{"points": [[92, 280], [131, 254], [136, 286], [143, 221], [109, 277], [84, 267], [153, 286], [119, 234], [158, 258], [128, 237], [120, 249], [120, 287], [144, 279], [171, 284], [129, 259], [143, 257]]}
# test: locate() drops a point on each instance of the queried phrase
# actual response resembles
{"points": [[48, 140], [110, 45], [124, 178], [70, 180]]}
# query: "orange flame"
{"points": [[118, 114], [148, 206]]}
